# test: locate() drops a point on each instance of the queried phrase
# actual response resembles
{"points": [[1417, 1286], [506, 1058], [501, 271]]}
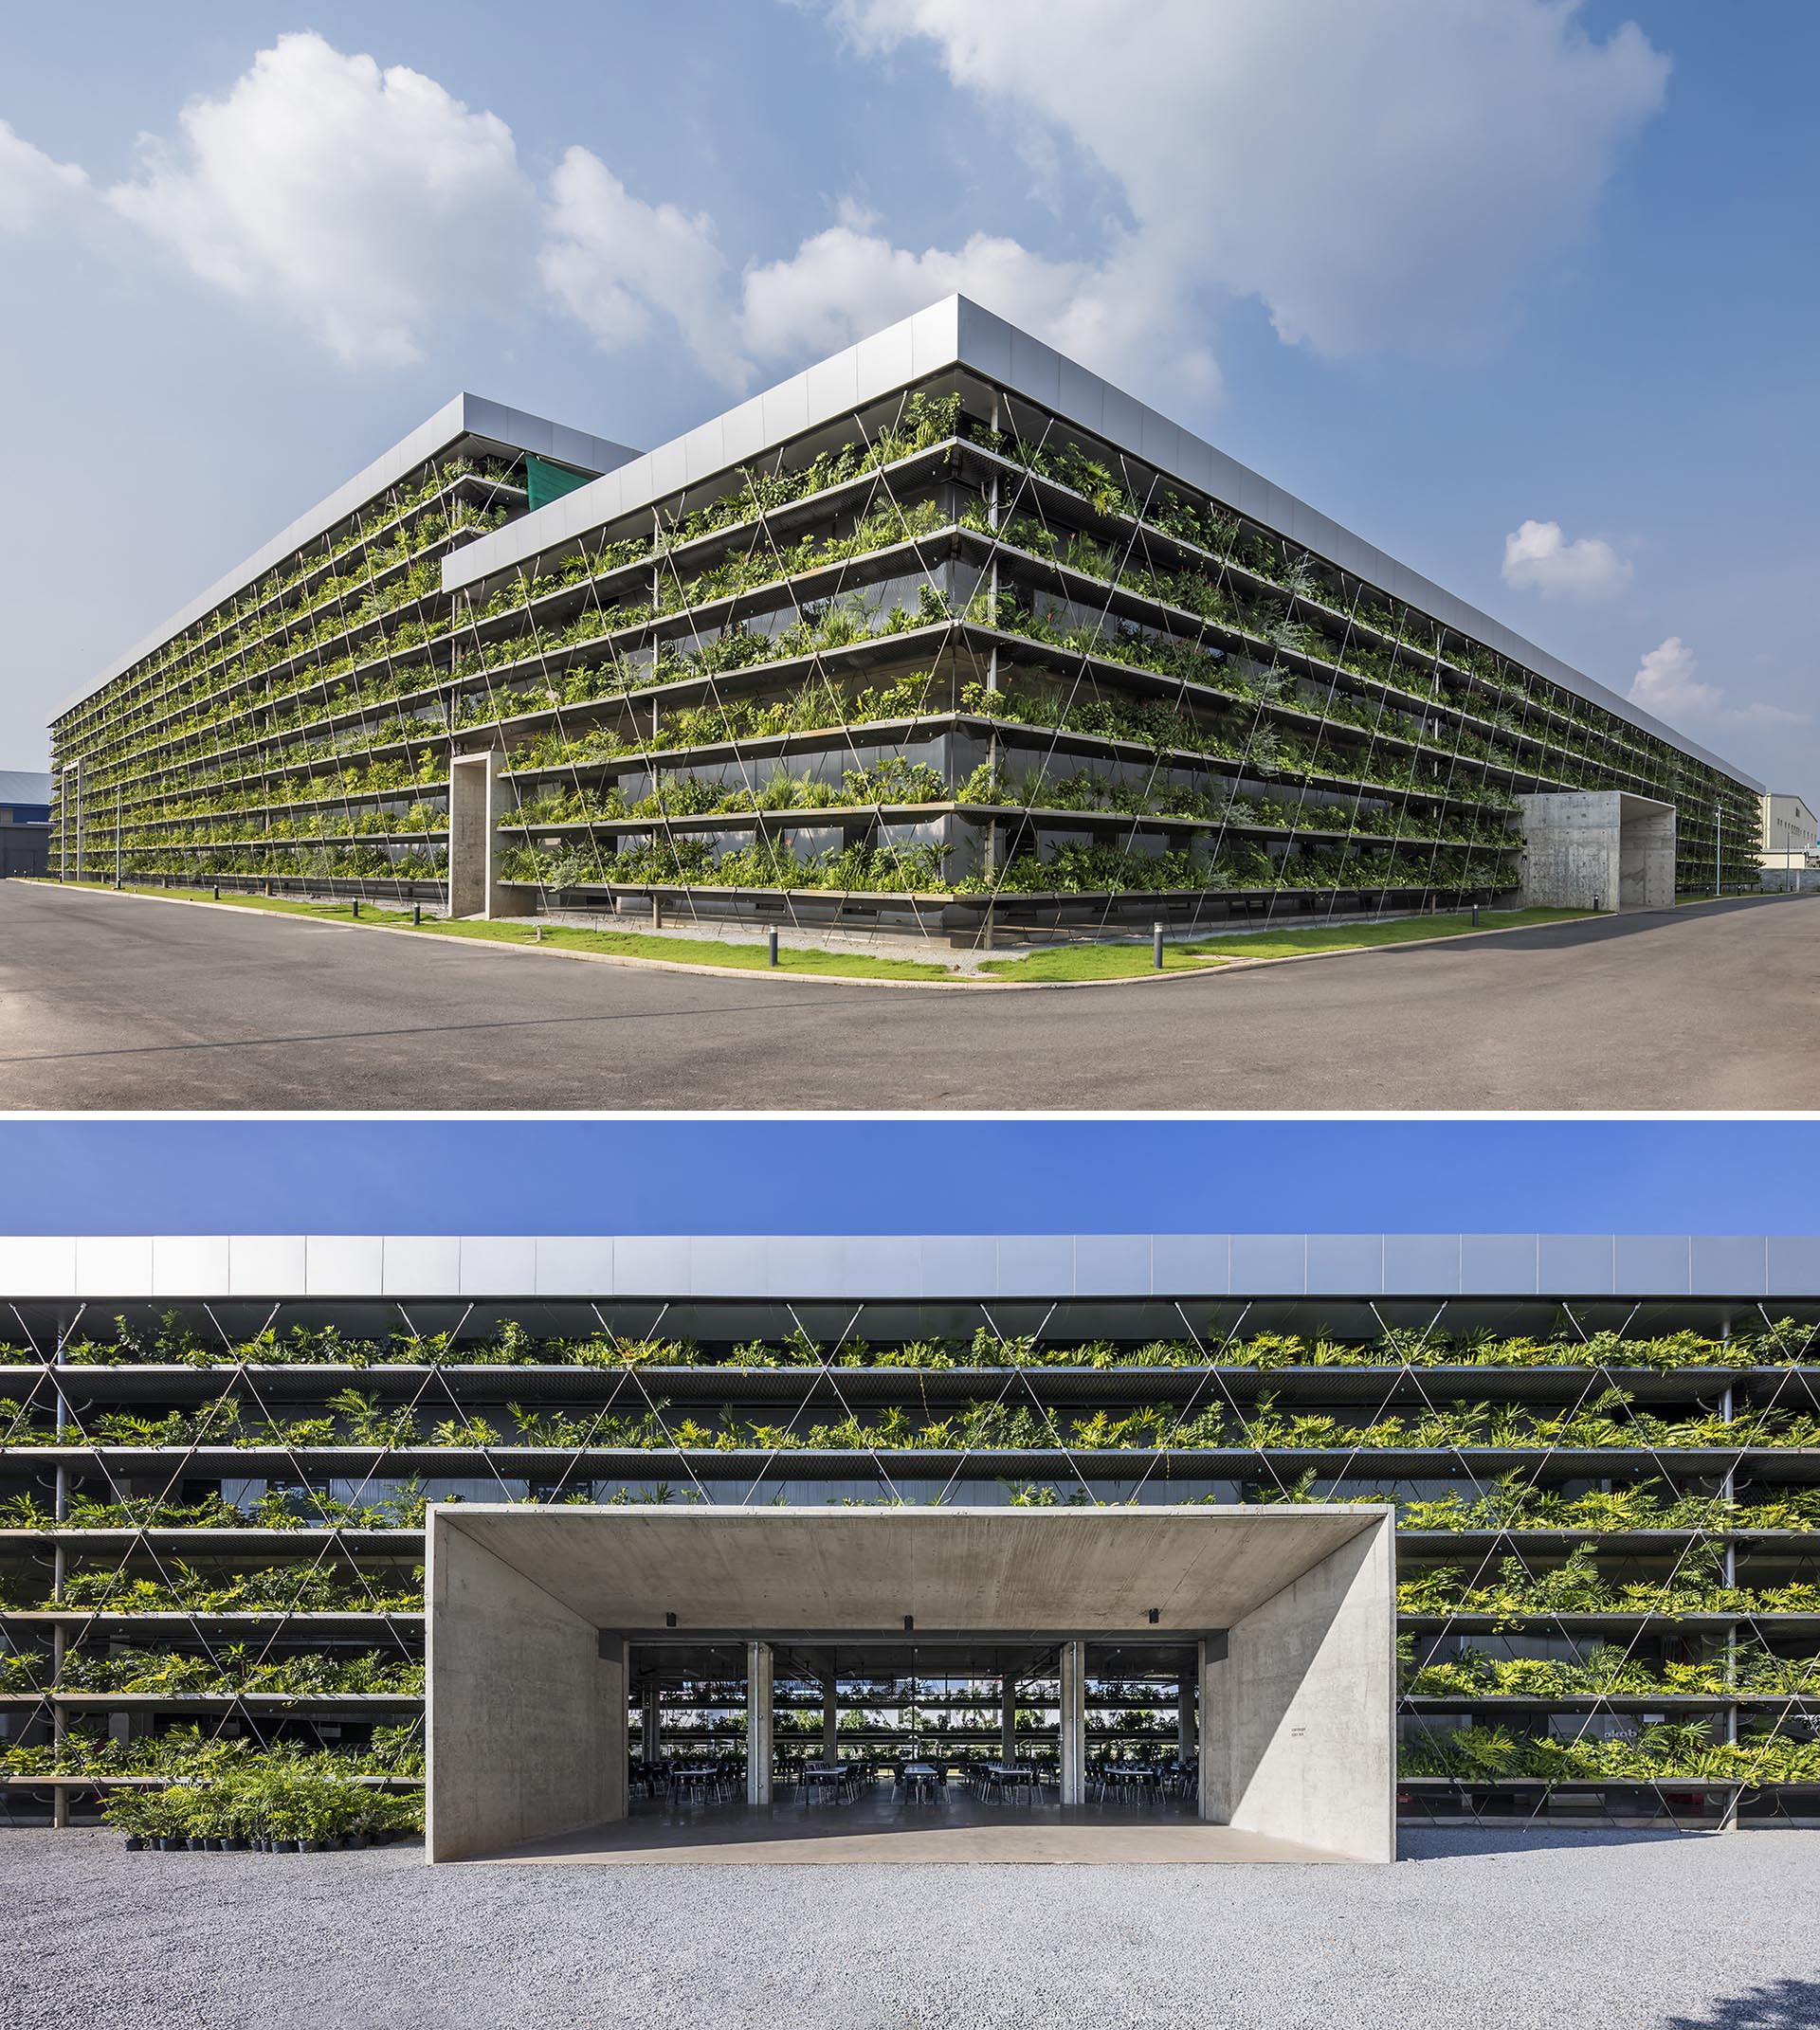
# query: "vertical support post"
{"points": [[1728, 1822], [758, 1723], [989, 843], [1008, 1719], [1074, 1722], [1211, 1801], [651, 1722], [1187, 1733], [59, 1572], [831, 1717]]}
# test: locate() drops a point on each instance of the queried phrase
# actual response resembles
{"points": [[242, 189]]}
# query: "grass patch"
{"points": [[618, 944], [1121, 962]]}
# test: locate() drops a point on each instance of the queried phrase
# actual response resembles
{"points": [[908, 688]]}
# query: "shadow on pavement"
{"points": [[1466, 1842], [1591, 929], [1787, 2004]]}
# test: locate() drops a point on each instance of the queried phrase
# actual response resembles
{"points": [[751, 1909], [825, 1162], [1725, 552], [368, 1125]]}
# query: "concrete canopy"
{"points": [[1291, 1609], [767, 1571]]}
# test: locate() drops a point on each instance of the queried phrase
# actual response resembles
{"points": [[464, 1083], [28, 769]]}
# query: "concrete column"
{"points": [[1074, 1722], [651, 1712], [1299, 1711], [526, 1706], [1008, 1720], [1186, 1733], [1215, 1751], [758, 1723], [830, 1718], [478, 798]]}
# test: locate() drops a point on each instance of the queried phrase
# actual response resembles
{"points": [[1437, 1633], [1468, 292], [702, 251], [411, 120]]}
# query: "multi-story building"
{"points": [[1791, 831], [293, 721], [25, 822], [217, 1457], [944, 631]]}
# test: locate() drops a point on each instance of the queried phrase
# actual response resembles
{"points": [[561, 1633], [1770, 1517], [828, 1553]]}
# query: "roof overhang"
{"points": [[835, 1571], [908, 1267]]}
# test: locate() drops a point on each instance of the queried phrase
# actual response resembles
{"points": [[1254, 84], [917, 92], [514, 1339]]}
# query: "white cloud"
{"points": [[359, 201], [32, 186], [1666, 683], [1669, 683], [1537, 557], [611, 260], [1376, 172], [851, 280]]}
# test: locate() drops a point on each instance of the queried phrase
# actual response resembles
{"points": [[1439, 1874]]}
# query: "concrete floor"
{"points": [[879, 1830], [118, 1001]]}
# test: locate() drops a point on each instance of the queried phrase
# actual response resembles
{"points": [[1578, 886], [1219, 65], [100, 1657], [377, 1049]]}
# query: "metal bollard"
{"points": [[355, 906], [1156, 946], [215, 891], [771, 946], [416, 915]]}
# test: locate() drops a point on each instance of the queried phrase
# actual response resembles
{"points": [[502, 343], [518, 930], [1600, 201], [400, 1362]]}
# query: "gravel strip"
{"points": [[1625, 1930]]}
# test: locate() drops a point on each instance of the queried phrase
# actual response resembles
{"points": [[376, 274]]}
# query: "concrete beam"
{"points": [[525, 1707]]}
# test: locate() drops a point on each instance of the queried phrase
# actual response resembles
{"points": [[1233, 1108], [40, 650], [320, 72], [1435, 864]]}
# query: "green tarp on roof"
{"points": [[546, 481]]}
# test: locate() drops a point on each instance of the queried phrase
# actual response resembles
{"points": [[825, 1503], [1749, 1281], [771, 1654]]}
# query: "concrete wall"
{"points": [[1597, 849], [1298, 1709], [478, 798], [525, 1716]]}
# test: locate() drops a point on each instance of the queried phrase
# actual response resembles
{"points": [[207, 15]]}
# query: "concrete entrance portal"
{"points": [[550, 1626], [1600, 849]]}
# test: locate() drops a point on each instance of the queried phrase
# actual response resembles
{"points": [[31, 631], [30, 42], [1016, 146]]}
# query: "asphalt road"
{"points": [[116, 1002]]}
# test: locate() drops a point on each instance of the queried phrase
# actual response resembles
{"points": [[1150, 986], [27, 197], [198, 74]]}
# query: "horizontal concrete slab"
{"points": [[777, 1572]]}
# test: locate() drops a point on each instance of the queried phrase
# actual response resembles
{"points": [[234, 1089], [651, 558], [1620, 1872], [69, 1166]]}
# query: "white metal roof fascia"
{"points": [[909, 1267], [467, 415], [958, 332], [919, 345]]}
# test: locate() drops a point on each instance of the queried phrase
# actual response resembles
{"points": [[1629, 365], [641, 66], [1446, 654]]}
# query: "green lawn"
{"points": [[1120, 962], [621, 944]]}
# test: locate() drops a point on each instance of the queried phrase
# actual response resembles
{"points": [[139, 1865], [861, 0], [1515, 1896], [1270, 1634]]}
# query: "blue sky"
{"points": [[710, 1177], [1522, 290]]}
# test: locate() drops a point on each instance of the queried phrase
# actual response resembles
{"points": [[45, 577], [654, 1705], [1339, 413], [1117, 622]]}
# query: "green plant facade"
{"points": [[294, 729], [212, 1514], [947, 650]]}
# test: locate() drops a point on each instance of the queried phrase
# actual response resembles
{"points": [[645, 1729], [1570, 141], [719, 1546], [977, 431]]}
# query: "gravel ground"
{"points": [[1629, 1932]]}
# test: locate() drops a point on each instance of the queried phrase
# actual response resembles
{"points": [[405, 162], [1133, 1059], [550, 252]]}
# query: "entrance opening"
{"points": [[628, 1684]]}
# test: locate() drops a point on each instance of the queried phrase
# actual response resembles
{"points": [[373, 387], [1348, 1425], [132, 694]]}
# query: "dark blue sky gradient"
{"points": [[712, 1177]]}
